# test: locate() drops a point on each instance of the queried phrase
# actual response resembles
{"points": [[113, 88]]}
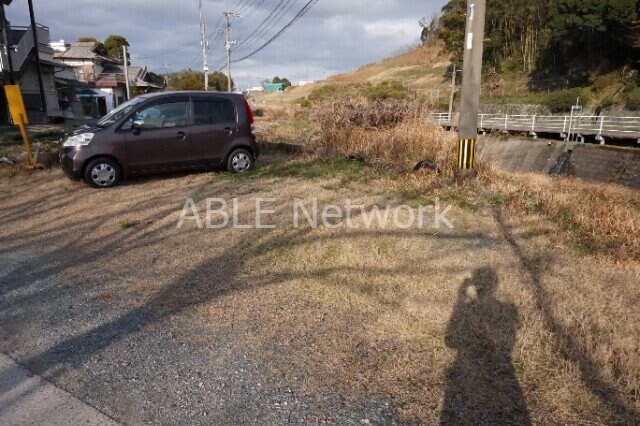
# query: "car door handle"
{"points": [[228, 131], [182, 136]]}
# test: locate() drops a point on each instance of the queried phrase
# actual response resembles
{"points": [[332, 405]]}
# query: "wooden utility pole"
{"points": [[471, 86]]}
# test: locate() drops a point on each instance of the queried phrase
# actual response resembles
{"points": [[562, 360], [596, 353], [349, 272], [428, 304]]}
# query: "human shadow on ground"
{"points": [[482, 387]]}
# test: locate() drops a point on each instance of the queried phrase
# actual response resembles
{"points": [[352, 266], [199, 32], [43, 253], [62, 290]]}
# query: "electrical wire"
{"points": [[299, 15]]}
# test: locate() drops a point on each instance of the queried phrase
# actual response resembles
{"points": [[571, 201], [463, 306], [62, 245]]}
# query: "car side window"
{"points": [[213, 111], [162, 116]]}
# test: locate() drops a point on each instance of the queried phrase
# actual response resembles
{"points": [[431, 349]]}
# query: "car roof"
{"points": [[190, 93]]}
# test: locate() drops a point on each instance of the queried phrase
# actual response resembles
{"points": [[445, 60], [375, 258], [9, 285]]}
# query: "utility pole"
{"points": [[205, 49], [471, 86], [43, 98], [126, 70], [453, 93], [228, 44], [6, 41]]}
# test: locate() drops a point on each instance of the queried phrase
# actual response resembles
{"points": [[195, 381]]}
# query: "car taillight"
{"points": [[249, 116]]}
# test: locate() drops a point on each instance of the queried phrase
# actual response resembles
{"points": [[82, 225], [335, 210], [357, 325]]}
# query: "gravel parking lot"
{"points": [[103, 295]]}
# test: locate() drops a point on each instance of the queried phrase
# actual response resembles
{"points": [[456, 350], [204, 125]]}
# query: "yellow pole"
{"points": [[25, 139]]}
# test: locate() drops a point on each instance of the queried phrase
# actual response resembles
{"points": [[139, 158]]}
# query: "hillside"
{"points": [[426, 72], [423, 70]]}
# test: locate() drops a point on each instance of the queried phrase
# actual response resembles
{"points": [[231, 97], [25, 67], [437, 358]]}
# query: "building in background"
{"points": [[25, 72], [275, 87], [104, 77]]}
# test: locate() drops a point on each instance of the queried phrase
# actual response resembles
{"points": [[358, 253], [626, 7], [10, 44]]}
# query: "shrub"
{"points": [[602, 82], [563, 100], [386, 90], [303, 102], [385, 131], [322, 94], [633, 99]]}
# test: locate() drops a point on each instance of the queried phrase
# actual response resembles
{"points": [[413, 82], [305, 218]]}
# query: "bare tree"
{"points": [[430, 27]]}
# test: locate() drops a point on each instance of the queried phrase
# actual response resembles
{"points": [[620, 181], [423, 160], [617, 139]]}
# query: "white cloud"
{"points": [[335, 36]]}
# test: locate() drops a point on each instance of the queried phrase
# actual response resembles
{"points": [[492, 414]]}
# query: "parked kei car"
{"points": [[159, 132]]}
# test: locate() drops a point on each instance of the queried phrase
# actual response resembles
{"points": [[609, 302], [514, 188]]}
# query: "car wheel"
{"points": [[240, 161], [102, 173]]}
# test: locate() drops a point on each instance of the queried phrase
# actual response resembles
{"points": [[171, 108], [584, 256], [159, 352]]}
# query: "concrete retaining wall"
{"points": [[589, 162]]}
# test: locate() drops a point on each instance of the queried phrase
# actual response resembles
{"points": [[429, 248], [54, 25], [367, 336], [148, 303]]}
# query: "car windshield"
{"points": [[119, 112]]}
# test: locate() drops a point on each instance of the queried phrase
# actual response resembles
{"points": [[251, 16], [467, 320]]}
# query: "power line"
{"points": [[299, 15], [276, 19], [265, 21]]}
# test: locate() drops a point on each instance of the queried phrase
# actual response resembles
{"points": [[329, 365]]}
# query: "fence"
{"points": [[565, 125]]}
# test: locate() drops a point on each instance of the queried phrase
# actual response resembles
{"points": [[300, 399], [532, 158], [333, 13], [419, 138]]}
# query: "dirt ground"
{"points": [[495, 321]]}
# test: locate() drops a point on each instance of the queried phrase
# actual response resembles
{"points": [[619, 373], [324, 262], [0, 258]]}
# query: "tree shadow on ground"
{"points": [[481, 384], [567, 345]]}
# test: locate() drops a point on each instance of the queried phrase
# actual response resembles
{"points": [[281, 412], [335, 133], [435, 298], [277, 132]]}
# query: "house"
{"points": [[105, 76], [25, 73]]}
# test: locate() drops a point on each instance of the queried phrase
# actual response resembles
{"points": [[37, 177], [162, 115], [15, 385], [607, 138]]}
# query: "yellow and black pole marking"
{"points": [[465, 153]]}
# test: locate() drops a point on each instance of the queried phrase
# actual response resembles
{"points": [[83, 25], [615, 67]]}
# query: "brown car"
{"points": [[159, 132]]}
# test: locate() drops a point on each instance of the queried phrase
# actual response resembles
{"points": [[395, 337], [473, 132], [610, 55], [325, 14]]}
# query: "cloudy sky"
{"points": [[334, 36]]}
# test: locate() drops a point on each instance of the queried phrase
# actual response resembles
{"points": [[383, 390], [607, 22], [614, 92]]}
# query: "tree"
{"points": [[99, 49], [430, 27], [114, 44], [218, 81], [546, 36], [452, 28], [191, 81], [285, 81], [194, 80]]}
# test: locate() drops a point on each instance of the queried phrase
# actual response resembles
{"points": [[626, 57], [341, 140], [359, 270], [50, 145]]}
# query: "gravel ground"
{"points": [[102, 295], [115, 352]]}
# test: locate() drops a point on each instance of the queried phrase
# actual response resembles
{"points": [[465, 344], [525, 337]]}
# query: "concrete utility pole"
{"points": [[126, 70], [228, 44], [205, 49], [43, 97], [471, 86]]}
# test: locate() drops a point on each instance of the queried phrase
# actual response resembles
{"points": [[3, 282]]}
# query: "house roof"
{"points": [[113, 74], [81, 50]]}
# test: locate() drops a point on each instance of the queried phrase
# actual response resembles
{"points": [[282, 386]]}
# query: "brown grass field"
{"points": [[526, 312]]}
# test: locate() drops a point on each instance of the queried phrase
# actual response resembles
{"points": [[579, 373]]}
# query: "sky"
{"points": [[334, 36]]}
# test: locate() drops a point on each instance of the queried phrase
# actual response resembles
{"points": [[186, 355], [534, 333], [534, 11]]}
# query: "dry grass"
{"points": [[600, 218], [369, 313], [389, 131], [423, 56], [394, 314]]}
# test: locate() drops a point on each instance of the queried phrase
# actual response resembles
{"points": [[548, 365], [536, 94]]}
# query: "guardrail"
{"points": [[564, 125]]}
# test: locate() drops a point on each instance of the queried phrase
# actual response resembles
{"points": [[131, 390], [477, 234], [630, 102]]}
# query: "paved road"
{"points": [[27, 399]]}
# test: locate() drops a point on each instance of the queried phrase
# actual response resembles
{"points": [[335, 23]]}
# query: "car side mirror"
{"points": [[137, 126]]}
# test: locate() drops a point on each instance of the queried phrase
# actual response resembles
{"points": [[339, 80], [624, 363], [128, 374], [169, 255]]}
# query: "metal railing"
{"points": [[600, 126], [23, 49]]}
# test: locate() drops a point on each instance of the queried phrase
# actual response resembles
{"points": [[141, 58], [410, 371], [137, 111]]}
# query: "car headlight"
{"points": [[82, 139]]}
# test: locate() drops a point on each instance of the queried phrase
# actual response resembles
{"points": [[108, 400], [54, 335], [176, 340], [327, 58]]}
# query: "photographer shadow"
{"points": [[482, 387]]}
